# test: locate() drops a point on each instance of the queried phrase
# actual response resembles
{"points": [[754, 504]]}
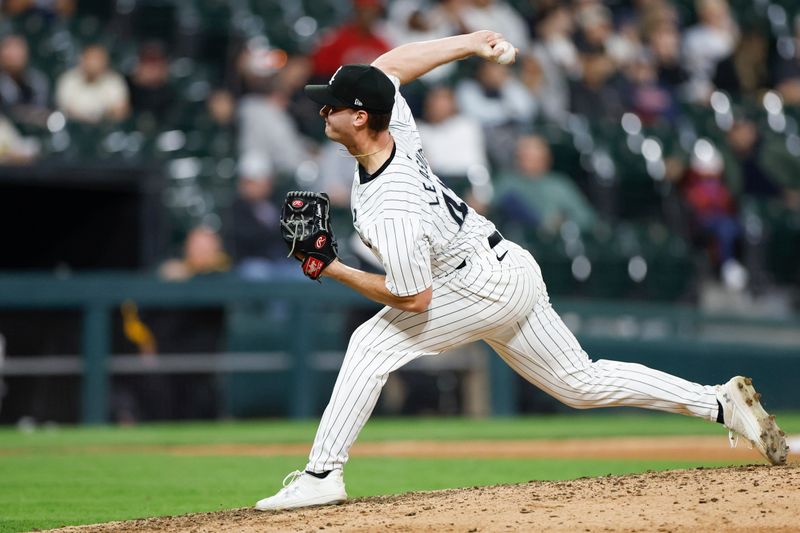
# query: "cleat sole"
{"points": [[772, 437]]}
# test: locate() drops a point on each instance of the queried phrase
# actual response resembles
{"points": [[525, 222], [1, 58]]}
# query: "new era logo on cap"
{"points": [[356, 86]]}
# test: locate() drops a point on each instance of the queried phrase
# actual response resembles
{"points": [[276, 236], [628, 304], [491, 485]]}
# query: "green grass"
{"points": [[88, 489], [50, 478], [598, 424]]}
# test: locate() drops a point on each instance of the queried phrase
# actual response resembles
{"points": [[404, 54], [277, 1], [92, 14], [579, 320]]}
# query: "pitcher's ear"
{"points": [[360, 118]]}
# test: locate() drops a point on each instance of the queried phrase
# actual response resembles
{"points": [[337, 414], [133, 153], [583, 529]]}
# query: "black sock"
{"points": [[323, 475], [720, 416]]}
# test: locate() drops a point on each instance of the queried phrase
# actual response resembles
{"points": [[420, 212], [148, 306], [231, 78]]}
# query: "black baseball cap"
{"points": [[358, 87]]}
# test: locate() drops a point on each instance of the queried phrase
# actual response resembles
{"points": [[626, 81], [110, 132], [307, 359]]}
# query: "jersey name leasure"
{"points": [[412, 222]]}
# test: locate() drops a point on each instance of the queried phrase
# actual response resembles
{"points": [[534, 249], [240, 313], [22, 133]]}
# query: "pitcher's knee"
{"points": [[578, 389], [577, 403], [366, 364], [571, 397]]}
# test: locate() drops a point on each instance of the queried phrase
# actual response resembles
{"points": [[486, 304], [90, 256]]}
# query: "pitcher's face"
{"points": [[338, 122]]}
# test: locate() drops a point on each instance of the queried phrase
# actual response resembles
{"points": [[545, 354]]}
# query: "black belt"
{"points": [[494, 239]]}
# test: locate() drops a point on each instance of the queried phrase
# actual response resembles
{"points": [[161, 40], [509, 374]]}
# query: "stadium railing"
{"points": [[678, 339]]}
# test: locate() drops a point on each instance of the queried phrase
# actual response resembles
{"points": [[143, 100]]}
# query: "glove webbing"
{"points": [[293, 229]]}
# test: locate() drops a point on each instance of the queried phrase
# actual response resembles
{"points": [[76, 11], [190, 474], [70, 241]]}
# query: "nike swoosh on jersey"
{"points": [[501, 257]]}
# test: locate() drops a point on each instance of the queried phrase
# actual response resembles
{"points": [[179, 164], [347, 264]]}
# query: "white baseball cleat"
{"points": [[743, 415], [301, 489]]}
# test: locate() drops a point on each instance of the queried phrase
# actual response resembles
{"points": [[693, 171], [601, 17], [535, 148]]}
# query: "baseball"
{"points": [[507, 53]]}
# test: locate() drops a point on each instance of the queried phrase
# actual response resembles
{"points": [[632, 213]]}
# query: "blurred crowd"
{"points": [[617, 118]]}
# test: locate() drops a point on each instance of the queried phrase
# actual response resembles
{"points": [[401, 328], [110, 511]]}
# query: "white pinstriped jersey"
{"points": [[417, 228], [421, 232]]}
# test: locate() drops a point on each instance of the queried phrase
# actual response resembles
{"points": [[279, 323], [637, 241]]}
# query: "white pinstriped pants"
{"points": [[506, 304]]}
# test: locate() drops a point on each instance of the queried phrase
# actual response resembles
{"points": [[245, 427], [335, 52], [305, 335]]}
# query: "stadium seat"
{"points": [[155, 20], [609, 267], [783, 230], [566, 157], [636, 191], [670, 268], [325, 12], [267, 9]]}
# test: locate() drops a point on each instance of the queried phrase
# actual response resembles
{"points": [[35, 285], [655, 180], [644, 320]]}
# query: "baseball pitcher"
{"points": [[451, 279]]}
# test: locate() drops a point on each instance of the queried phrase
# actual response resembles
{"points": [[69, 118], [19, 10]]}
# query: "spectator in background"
{"points": [[546, 82], [219, 128], [625, 44], [92, 92], [499, 16], [705, 44], [645, 96], [203, 254], [745, 71], [597, 95], [760, 166], [146, 396], [261, 69], [336, 169], [255, 67], [409, 21], [664, 43], [655, 13], [597, 30], [554, 31], [200, 330], [713, 211], [222, 108], [258, 249], [787, 70], [290, 81], [14, 148], [413, 20], [454, 143], [361, 40], [534, 194], [24, 91], [148, 83], [500, 102], [552, 59], [766, 176], [51, 8], [266, 126]]}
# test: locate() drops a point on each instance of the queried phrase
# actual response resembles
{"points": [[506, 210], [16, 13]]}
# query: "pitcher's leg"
{"points": [[542, 350], [363, 373], [378, 347], [393, 338]]}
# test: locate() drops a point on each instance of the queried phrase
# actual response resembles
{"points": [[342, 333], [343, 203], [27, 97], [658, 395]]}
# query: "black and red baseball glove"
{"points": [[305, 227]]}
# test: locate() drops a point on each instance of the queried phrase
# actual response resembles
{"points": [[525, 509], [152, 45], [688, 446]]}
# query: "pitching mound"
{"points": [[751, 498]]}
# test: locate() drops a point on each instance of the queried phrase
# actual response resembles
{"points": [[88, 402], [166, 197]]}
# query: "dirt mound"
{"points": [[690, 448], [751, 498]]}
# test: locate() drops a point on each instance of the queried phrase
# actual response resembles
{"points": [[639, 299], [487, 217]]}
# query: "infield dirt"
{"points": [[746, 498]]}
